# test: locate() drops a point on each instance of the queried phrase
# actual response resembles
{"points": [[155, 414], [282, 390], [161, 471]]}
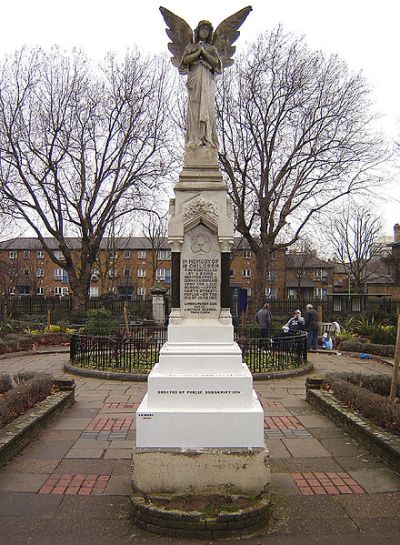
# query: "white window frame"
{"points": [[141, 290], [127, 254], [93, 291], [13, 254], [39, 273], [27, 254], [39, 290], [246, 254], [141, 273], [61, 291], [246, 273], [127, 273], [248, 292], [141, 254], [112, 273], [164, 255], [27, 272], [160, 274], [40, 254], [232, 273]]}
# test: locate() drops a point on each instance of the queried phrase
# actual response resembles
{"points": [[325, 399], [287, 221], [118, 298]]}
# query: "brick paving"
{"points": [[75, 484], [326, 488], [110, 424], [326, 483]]}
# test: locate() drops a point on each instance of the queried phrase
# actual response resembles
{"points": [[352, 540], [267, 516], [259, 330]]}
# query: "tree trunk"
{"points": [[260, 281]]}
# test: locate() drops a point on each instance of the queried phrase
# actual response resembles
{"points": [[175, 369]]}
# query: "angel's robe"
{"points": [[201, 125]]}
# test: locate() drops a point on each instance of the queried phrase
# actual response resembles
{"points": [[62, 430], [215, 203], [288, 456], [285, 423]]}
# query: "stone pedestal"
{"points": [[200, 427], [158, 305]]}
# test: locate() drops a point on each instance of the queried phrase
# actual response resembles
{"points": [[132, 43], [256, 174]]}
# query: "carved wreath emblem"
{"points": [[201, 208]]}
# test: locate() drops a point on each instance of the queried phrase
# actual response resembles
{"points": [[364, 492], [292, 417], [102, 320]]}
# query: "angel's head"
{"points": [[203, 32]]}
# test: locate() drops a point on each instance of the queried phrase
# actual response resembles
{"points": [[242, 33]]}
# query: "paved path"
{"points": [[71, 485]]}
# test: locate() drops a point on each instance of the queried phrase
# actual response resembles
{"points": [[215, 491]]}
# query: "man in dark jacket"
{"points": [[311, 326], [264, 320]]}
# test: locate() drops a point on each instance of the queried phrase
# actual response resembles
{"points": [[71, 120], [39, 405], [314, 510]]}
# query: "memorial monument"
{"points": [[200, 427]]}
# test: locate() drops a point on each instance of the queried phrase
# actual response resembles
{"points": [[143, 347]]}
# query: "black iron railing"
{"points": [[140, 351]]}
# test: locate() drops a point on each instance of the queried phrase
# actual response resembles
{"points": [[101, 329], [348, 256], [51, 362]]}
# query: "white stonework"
{"points": [[200, 409]]}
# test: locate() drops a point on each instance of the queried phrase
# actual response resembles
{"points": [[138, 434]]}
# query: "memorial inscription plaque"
{"points": [[200, 274]]}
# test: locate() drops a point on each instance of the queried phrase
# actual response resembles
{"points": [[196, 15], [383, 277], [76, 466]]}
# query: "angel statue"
{"points": [[202, 55]]}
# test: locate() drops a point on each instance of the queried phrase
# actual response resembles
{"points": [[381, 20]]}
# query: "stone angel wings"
{"points": [[181, 35]]}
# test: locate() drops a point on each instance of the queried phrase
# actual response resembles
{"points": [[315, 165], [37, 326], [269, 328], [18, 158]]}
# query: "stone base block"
{"points": [[200, 357], [201, 471], [208, 427], [200, 390]]}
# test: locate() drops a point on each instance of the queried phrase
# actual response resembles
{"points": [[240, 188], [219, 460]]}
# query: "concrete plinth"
{"points": [[201, 471]]}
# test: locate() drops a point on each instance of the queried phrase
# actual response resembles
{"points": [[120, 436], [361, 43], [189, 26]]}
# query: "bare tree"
{"points": [[354, 235], [155, 231], [295, 133], [300, 255], [80, 147]]}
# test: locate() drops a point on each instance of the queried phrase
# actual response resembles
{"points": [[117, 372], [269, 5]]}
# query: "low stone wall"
{"points": [[18, 433], [193, 524], [375, 439], [136, 377]]}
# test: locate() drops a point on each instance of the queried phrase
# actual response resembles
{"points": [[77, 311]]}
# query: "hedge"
{"points": [[352, 345], [361, 393]]}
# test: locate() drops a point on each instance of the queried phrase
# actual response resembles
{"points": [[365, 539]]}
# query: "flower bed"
{"points": [[367, 394], [354, 345], [18, 342], [21, 392]]}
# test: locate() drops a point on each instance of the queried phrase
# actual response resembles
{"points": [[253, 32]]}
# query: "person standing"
{"points": [[311, 326], [264, 320]]}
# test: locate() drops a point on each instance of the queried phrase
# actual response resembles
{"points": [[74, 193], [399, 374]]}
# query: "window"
{"points": [[274, 256], [13, 272], [141, 273], [39, 291], [13, 254], [141, 290], [60, 291], [317, 274], [93, 291], [248, 292], [246, 273], [232, 273], [61, 275], [26, 272], [40, 254], [163, 254], [271, 276], [270, 293], [113, 273], [27, 254], [246, 254], [320, 293], [127, 272], [127, 254], [160, 274], [59, 255], [112, 255], [141, 254], [39, 273]]}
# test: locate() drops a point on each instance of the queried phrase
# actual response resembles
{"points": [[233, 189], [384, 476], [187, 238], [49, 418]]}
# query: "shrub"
{"points": [[353, 345], [24, 396], [371, 405], [384, 334], [5, 383], [101, 322]]}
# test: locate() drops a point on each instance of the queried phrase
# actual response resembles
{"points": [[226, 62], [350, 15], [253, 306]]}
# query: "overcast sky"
{"points": [[364, 33]]}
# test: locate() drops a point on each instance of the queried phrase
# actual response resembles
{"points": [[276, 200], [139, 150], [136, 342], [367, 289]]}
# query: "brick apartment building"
{"points": [[130, 266]]}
